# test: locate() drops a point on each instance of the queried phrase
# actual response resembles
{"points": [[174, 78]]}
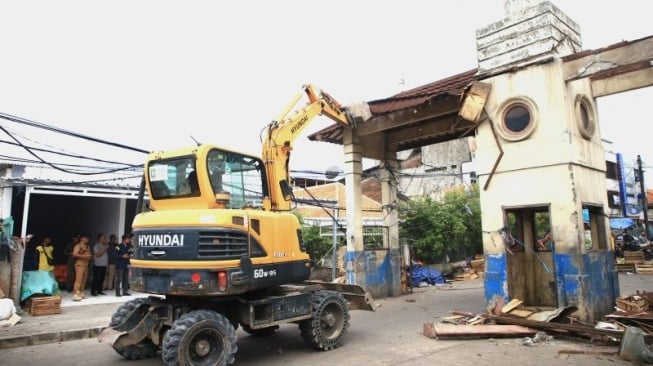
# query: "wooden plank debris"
{"points": [[444, 331], [521, 313], [513, 304], [586, 352], [580, 330]]}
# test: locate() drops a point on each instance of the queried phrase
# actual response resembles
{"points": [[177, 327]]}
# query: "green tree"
{"points": [[450, 228], [316, 245]]}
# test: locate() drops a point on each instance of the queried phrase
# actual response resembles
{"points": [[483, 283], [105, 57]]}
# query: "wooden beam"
{"points": [[579, 329], [433, 109], [622, 82], [450, 126], [476, 331], [594, 62]]}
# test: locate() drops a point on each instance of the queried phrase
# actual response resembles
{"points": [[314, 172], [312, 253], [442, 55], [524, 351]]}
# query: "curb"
{"points": [[53, 337]]}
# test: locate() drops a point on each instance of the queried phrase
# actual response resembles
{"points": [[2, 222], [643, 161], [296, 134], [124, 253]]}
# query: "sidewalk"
{"points": [[77, 320]]}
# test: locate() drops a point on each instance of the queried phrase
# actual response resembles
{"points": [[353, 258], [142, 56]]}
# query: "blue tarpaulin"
{"points": [[426, 275], [620, 223], [38, 282]]}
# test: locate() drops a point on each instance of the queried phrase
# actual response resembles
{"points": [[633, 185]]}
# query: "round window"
{"points": [[585, 116], [518, 118]]}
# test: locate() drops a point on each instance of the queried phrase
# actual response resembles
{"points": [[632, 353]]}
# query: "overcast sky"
{"points": [[155, 74]]}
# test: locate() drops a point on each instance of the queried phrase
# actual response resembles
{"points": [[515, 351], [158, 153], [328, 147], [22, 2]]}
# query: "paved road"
{"points": [[390, 336]]}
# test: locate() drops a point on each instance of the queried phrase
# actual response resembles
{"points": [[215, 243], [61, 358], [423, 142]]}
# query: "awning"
{"points": [[619, 223]]}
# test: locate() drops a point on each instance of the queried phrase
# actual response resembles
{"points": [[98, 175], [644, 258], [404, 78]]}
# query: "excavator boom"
{"points": [[281, 133]]}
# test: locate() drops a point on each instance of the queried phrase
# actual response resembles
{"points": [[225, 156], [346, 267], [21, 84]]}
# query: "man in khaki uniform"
{"points": [[82, 254], [70, 263]]}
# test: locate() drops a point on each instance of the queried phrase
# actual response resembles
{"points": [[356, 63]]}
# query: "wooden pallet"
{"points": [[44, 305], [466, 276], [644, 268], [634, 257], [626, 267]]}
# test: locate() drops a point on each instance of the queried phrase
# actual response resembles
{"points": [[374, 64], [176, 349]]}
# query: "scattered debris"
{"points": [[537, 325], [538, 338], [633, 303]]}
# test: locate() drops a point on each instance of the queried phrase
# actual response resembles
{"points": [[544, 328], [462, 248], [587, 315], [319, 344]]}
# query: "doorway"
{"points": [[530, 265]]}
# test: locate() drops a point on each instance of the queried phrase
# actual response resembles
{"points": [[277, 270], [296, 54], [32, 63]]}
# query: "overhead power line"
{"points": [[69, 133]]}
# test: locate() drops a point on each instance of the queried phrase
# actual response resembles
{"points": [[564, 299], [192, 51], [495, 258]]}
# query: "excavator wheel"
{"points": [[329, 323], [262, 332], [141, 350], [200, 337]]}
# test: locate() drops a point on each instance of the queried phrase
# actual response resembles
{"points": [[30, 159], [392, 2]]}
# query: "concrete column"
{"points": [[355, 267], [389, 183], [121, 217], [5, 198]]}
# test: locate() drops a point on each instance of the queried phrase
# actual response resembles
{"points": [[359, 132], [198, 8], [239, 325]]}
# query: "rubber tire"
{"points": [[198, 325], [142, 350], [262, 332], [329, 323]]}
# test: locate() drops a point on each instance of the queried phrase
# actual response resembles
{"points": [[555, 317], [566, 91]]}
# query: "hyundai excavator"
{"points": [[218, 248]]}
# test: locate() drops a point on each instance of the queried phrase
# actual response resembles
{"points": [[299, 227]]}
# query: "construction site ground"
{"points": [[392, 335]]}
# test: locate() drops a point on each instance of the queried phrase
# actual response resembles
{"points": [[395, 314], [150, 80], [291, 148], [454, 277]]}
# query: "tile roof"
{"points": [[450, 87], [331, 192]]}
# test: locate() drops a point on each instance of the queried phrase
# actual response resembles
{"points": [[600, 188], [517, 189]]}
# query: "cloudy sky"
{"points": [[158, 74]]}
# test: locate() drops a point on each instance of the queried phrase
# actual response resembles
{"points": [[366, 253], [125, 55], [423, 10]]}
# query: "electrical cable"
{"points": [[67, 154], [66, 132]]}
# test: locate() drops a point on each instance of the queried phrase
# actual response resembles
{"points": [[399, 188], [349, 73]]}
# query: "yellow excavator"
{"points": [[218, 248]]}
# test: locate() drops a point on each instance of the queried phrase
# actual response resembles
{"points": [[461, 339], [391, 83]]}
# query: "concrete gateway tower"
{"points": [[541, 166]]}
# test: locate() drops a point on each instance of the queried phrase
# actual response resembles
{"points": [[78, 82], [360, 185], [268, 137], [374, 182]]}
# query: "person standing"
{"points": [[45, 250], [111, 265], [122, 254], [100, 262], [82, 254], [70, 263]]}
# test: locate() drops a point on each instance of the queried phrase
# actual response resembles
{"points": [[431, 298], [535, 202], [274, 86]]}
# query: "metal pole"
{"points": [[642, 188], [335, 242], [622, 185]]}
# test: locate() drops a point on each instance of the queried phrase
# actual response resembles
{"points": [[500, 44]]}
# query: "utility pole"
{"points": [[642, 189]]}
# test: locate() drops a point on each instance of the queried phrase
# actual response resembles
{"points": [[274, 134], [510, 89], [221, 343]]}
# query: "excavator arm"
{"points": [[280, 134]]}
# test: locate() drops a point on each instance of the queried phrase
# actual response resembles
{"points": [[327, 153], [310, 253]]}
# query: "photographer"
{"points": [[122, 254]]}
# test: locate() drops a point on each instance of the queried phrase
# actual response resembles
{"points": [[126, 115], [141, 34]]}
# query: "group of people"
{"points": [[106, 262]]}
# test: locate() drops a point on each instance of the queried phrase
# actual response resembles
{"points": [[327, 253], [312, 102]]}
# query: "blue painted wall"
{"points": [[376, 270], [496, 283], [588, 281]]}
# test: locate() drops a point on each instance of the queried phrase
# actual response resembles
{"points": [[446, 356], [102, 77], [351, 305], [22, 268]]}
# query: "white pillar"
{"points": [[389, 184], [353, 170], [7, 193]]}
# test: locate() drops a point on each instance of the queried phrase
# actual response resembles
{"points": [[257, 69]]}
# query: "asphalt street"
{"points": [[390, 336]]}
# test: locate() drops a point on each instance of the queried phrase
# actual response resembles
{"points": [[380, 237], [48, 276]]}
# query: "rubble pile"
{"points": [[538, 325]]}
